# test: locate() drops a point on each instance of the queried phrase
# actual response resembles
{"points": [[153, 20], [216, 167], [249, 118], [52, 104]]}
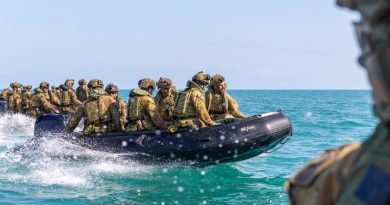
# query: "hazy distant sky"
{"points": [[256, 44]]}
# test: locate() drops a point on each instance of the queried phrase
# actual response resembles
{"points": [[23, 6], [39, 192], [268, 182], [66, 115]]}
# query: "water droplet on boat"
{"points": [[202, 172], [124, 143], [172, 155], [236, 141], [222, 137], [220, 145], [205, 157], [178, 135], [158, 132]]}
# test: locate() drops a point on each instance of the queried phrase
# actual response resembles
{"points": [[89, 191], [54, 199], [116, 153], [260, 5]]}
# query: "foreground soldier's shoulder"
{"points": [[320, 181], [196, 94]]}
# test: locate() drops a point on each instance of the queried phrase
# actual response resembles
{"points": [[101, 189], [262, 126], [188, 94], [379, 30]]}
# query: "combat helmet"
{"points": [[95, 83], [164, 83], [53, 87], [69, 83], [44, 85], [27, 87], [111, 88], [217, 79], [82, 82], [15, 84], [147, 83], [201, 78]]}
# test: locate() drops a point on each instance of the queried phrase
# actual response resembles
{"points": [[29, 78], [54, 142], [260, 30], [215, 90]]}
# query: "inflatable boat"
{"points": [[227, 142], [3, 107]]}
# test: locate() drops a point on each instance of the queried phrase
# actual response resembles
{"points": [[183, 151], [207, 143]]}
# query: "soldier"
{"points": [[55, 95], [143, 113], [190, 109], [113, 91], [26, 98], [357, 173], [82, 90], [166, 98], [100, 111], [14, 99], [40, 101], [219, 103], [4, 93], [68, 99]]}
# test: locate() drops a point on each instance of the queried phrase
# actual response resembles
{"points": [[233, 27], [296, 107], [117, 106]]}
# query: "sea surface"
{"points": [[62, 173]]}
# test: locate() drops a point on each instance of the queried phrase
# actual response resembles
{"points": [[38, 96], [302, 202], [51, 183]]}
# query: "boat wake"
{"points": [[55, 161]]}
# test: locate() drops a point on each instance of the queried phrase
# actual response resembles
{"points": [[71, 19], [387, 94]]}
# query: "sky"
{"points": [[255, 44]]}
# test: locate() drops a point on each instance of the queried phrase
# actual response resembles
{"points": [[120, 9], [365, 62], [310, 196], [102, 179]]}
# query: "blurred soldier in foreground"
{"points": [[82, 90], [357, 173], [26, 98], [113, 91], [100, 111], [4, 93], [68, 100], [40, 101], [166, 98], [190, 110], [219, 103], [14, 99], [143, 113]]}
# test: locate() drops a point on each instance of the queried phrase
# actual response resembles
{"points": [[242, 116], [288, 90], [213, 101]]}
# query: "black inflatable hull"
{"points": [[3, 107], [229, 142]]}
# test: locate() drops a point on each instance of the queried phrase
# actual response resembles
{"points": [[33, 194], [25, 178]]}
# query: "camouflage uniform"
{"points": [[113, 91], [221, 105], [68, 99], [40, 103], [55, 95], [4, 93], [142, 110], [166, 105], [82, 91], [14, 99], [357, 173], [26, 98], [100, 112], [190, 109]]}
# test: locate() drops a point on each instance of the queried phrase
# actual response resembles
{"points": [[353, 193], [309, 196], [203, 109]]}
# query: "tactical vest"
{"points": [[11, 101], [95, 114], [209, 102], [135, 109], [184, 107], [66, 99]]}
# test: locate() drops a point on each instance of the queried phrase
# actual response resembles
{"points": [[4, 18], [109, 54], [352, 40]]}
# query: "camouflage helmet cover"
{"points": [[164, 83], [44, 85], [69, 83], [111, 88], [201, 78], [147, 83], [53, 87], [15, 84], [217, 79], [28, 87], [95, 83], [82, 82]]}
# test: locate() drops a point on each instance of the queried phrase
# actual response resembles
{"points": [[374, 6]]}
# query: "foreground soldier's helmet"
{"points": [[82, 82], [95, 83], [146, 83], [217, 79], [164, 83], [373, 37], [15, 84], [201, 78], [111, 88], [69, 83], [44, 85]]}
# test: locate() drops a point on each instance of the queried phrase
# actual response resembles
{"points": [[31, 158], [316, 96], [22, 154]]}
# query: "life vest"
{"points": [[184, 108], [97, 113], [209, 102], [134, 105]]}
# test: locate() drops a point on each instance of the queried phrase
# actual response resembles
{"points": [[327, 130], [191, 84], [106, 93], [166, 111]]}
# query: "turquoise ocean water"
{"points": [[59, 172]]}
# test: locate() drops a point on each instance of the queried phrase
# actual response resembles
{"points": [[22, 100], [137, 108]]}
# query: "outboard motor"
{"points": [[3, 107], [50, 123]]}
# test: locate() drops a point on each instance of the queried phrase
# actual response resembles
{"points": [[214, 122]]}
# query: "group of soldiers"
{"points": [[104, 111]]}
